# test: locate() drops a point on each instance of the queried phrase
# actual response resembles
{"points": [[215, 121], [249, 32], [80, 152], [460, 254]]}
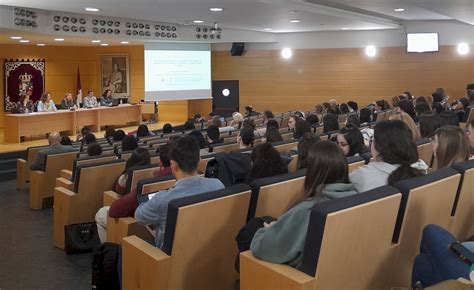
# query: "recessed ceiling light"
{"points": [[463, 48], [267, 29], [104, 44], [15, 37], [216, 9], [59, 39], [124, 42], [92, 9], [371, 51], [286, 53], [345, 28], [294, 20], [399, 9], [198, 21], [24, 41], [41, 44], [95, 41]]}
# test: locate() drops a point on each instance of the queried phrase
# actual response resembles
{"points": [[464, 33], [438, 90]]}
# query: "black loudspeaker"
{"points": [[237, 49]]}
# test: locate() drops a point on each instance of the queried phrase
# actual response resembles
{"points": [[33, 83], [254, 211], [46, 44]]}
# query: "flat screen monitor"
{"points": [[422, 42]]}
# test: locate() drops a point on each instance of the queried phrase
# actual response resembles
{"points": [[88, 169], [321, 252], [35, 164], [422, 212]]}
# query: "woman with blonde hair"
{"points": [[237, 120], [405, 118], [450, 145]]}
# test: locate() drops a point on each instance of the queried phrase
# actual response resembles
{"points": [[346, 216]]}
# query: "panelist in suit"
{"points": [[24, 105], [90, 101], [106, 99], [46, 103], [55, 147], [68, 102]]}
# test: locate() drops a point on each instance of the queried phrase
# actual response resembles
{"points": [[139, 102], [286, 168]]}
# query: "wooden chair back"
{"points": [[293, 163], [355, 163], [426, 200], [226, 148], [197, 253], [425, 150], [285, 146]]}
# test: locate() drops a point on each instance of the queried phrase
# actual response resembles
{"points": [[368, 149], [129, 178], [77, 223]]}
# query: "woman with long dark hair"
{"points": [[266, 162], [283, 241], [351, 142], [395, 157], [304, 144]]}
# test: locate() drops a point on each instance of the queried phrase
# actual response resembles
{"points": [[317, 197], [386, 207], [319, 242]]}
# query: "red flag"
{"points": [[78, 88]]}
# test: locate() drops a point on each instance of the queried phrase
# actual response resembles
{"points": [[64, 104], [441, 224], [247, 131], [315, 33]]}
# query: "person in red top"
{"points": [[125, 206], [165, 164]]}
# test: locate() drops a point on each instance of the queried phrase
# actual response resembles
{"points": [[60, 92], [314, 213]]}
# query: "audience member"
{"points": [[266, 162], [66, 141], [249, 112], [292, 122], [143, 131], [313, 120], [395, 157], [330, 123], [246, 138], [449, 118], [213, 135], [109, 133], [351, 142], [318, 109], [89, 138], [304, 144], [405, 118], [429, 122], [267, 115], [189, 125], [462, 109], [46, 103], [54, 148], [365, 116], [272, 124], [272, 135], [68, 102], [197, 135], [129, 143], [354, 107], [450, 146], [283, 241], [421, 108], [164, 162], [119, 135], [94, 149], [352, 121], [407, 107], [82, 134], [167, 128], [301, 127], [344, 108], [184, 156], [126, 205], [237, 120]]}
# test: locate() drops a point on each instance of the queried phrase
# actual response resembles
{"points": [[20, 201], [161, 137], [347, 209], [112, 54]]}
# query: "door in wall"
{"points": [[226, 97]]}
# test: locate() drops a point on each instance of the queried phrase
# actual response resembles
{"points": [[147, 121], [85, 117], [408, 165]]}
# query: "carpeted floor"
{"points": [[28, 259]]}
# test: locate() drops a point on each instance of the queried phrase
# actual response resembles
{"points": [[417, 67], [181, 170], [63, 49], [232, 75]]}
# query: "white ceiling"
{"points": [[256, 15]]}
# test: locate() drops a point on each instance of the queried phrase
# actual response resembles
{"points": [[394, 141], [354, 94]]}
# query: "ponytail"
{"points": [[405, 171]]}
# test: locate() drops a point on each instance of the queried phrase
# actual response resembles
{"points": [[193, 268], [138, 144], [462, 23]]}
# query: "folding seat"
{"points": [[272, 196], [462, 226], [42, 182], [218, 148], [118, 228], [199, 247], [426, 199], [287, 136], [69, 174], [425, 150], [82, 203], [355, 162], [348, 246], [23, 166], [285, 146]]}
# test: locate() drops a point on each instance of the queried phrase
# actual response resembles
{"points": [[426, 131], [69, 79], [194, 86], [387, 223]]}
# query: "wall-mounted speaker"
{"points": [[238, 48]]}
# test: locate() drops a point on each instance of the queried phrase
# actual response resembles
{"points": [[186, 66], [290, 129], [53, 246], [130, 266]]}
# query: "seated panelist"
{"points": [[106, 99], [90, 101], [68, 102], [46, 103], [24, 105]]}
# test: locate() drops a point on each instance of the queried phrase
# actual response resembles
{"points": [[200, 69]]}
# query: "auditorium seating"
{"points": [[426, 200], [272, 196], [355, 162], [118, 228], [199, 244], [23, 166], [462, 226], [425, 150], [348, 246], [42, 182], [285, 146], [81, 204], [293, 163]]}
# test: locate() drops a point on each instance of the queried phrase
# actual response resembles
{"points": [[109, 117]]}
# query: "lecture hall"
{"points": [[226, 145]]}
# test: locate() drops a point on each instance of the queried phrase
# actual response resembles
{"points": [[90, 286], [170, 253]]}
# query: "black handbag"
{"points": [[81, 238]]}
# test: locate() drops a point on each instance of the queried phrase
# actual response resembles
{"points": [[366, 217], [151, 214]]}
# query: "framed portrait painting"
{"points": [[115, 75]]}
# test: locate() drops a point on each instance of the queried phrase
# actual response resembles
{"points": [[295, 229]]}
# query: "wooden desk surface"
{"points": [[17, 125]]}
